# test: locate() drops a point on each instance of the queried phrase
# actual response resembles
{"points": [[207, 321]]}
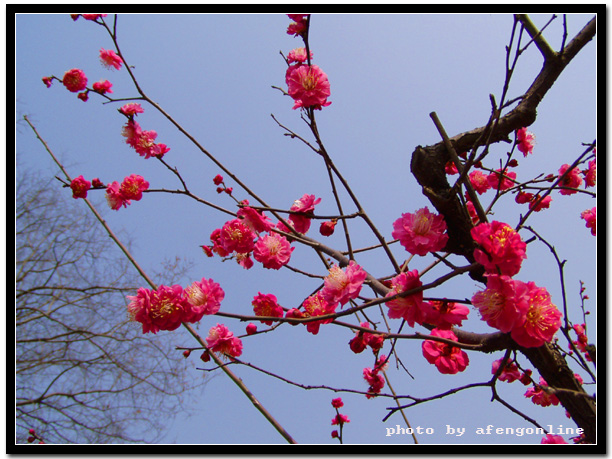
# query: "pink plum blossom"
{"points": [[447, 358], [305, 208], [102, 86], [133, 186], [500, 248], [273, 251], [222, 341], [571, 180], [235, 236], [316, 305], [408, 307], [504, 303], [542, 319], [525, 141], [343, 285], [110, 59], [205, 297], [308, 86], [421, 232], [590, 217], [75, 80], [79, 187], [267, 305]]}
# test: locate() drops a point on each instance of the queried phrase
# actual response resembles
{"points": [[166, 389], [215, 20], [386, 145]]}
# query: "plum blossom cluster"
{"points": [[374, 376], [340, 286], [338, 420], [117, 194], [75, 79], [139, 139], [307, 84], [512, 306], [447, 358], [252, 233], [166, 307], [222, 341]]}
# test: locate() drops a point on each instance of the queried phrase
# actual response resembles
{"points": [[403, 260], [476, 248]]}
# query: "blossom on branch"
{"points": [[408, 307], [110, 59], [235, 236], [222, 341], [273, 251], [266, 305], [102, 86], [590, 217], [525, 141], [421, 232], [542, 319], [448, 359], [79, 187], [298, 27], [161, 309], [509, 373], [444, 314], [571, 180], [316, 305], [133, 186], [131, 109], [74, 80], [504, 303], [500, 248], [205, 297], [342, 286], [305, 208], [308, 86]]}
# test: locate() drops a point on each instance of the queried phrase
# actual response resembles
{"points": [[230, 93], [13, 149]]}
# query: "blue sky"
{"points": [[214, 74]]}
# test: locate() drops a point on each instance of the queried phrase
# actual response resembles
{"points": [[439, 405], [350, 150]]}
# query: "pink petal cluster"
{"points": [[102, 86], [340, 286], [509, 373], [75, 80], [501, 180], [130, 189], [479, 181], [298, 55], [539, 396], [308, 86], [542, 319], [525, 141], [571, 180], [110, 59], [590, 174], [500, 248], [503, 304], [448, 359], [222, 341], [375, 380], [273, 251], [538, 204], [590, 217], [421, 232], [161, 309], [131, 109], [305, 208], [205, 297], [267, 305], [133, 186], [363, 339], [143, 141], [327, 227], [445, 314], [299, 24], [316, 305], [256, 220], [79, 187], [236, 236], [410, 307]]}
